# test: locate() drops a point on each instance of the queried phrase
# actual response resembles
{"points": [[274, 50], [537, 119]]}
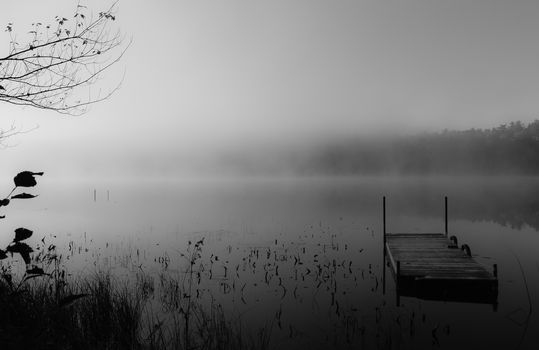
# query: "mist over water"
{"points": [[334, 218], [507, 149], [286, 226], [270, 131]]}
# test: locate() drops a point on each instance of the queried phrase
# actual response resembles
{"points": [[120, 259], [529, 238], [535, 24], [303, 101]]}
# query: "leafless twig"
{"points": [[50, 70]]}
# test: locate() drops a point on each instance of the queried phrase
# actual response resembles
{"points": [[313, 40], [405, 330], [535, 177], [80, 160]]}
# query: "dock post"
{"points": [[446, 231], [495, 270], [95, 195], [384, 246], [384, 217]]}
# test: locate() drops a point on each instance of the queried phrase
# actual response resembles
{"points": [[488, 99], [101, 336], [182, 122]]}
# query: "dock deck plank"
{"points": [[430, 266], [431, 262], [427, 255]]}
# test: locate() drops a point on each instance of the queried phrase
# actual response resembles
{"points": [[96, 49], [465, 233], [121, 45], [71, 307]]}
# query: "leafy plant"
{"points": [[17, 246]]}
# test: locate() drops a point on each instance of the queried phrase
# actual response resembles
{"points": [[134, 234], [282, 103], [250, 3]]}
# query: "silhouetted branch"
{"points": [[11, 131], [60, 60]]}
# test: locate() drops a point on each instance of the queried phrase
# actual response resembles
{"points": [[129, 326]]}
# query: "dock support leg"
{"points": [[384, 217], [384, 246], [446, 230]]}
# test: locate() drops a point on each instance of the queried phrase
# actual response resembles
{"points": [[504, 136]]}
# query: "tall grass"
{"points": [[103, 312]]}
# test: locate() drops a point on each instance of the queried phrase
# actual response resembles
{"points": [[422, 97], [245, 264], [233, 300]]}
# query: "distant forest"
{"points": [[507, 149]]}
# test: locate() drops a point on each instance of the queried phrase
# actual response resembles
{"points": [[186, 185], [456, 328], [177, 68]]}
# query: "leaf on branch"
{"points": [[26, 179], [21, 234], [2, 216], [23, 196], [36, 271], [4, 202], [22, 248], [3, 254], [1, 87]]}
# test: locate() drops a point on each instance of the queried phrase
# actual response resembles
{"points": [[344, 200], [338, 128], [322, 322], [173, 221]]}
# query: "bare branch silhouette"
{"points": [[58, 66], [12, 131]]}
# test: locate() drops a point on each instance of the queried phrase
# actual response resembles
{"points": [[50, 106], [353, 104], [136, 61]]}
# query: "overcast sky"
{"points": [[203, 76]]}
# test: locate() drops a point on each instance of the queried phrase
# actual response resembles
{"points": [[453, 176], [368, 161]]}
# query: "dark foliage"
{"points": [[26, 179], [507, 149], [21, 234], [22, 179]]}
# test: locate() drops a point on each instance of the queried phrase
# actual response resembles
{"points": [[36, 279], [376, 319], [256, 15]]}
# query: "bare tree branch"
{"points": [[60, 60], [12, 131]]}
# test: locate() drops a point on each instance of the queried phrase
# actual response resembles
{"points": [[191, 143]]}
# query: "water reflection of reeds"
{"points": [[319, 292]]}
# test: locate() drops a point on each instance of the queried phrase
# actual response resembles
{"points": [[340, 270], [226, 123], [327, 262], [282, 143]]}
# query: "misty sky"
{"points": [[203, 76]]}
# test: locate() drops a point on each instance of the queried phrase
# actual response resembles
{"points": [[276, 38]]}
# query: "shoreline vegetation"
{"points": [[46, 307], [104, 312], [508, 149], [104, 309]]}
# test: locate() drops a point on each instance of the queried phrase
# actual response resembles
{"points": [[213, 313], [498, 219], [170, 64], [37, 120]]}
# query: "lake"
{"points": [[304, 255]]}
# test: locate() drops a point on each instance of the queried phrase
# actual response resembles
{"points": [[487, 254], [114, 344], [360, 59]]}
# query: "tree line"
{"points": [[507, 149]]}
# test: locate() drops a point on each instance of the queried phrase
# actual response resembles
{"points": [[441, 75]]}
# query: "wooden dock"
{"points": [[432, 266]]}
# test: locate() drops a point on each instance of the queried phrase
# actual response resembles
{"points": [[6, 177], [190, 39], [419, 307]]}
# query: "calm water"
{"points": [[271, 235]]}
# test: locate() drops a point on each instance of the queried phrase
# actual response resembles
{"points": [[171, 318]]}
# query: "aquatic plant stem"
{"points": [[527, 322]]}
